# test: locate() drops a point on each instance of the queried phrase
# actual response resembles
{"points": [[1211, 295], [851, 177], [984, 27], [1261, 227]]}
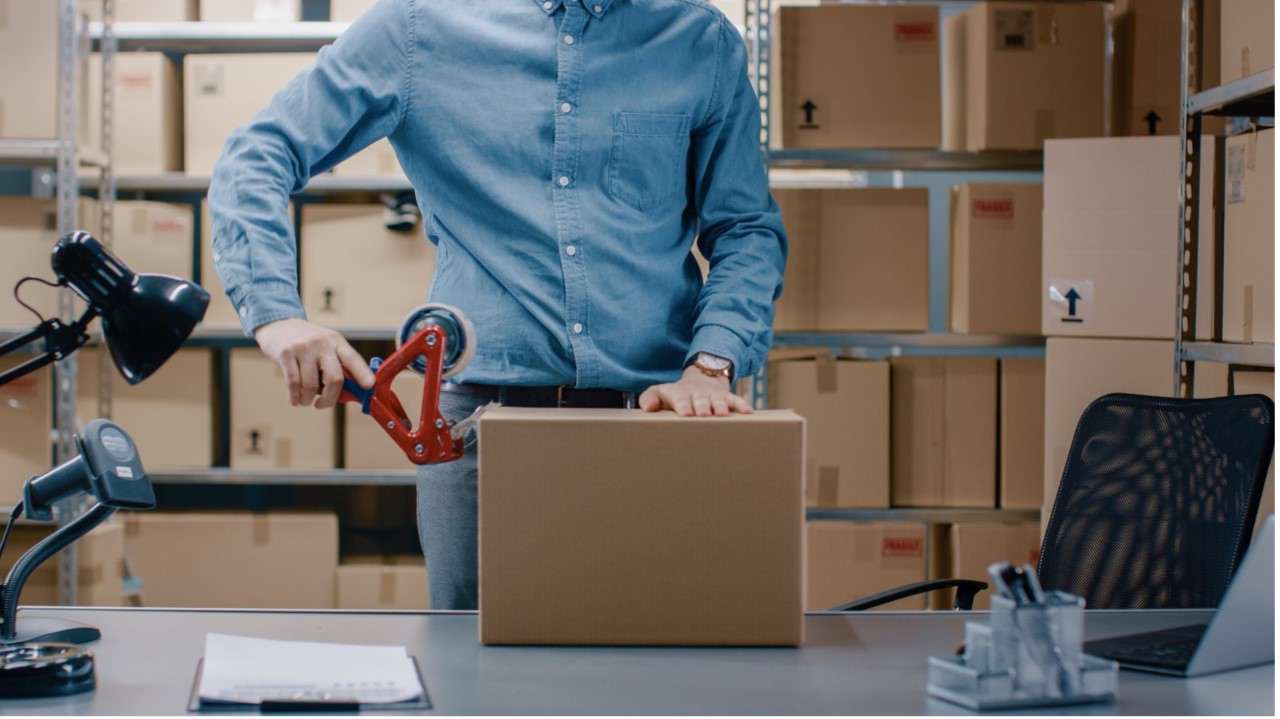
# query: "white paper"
{"points": [[249, 670]]}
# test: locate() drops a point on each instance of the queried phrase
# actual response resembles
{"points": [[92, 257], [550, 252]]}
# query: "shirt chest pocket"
{"points": [[648, 159]]}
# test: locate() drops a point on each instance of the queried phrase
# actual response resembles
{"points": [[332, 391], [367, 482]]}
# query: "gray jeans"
{"points": [[447, 518]]}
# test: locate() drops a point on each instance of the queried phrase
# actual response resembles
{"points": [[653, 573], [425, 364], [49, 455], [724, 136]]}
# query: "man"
{"points": [[566, 153]]}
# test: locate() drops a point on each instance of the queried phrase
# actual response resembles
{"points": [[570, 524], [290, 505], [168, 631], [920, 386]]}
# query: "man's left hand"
{"points": [[695, 394]]}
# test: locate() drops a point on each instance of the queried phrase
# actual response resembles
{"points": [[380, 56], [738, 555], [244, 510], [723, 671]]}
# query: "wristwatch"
{"points": [[713, 365]]}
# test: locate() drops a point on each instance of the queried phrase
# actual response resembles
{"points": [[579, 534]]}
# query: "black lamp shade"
{"points": [[151, 323]]}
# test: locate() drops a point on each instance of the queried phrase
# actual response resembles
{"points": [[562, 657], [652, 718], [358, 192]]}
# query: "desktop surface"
{"points": [[859, 663]]}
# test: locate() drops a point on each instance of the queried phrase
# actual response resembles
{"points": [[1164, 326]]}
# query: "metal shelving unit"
{"points": [[908, 159], [1251, 97], [205, 37]]}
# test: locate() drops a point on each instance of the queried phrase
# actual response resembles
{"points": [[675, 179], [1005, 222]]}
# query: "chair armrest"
{"points": [[966, 590]]}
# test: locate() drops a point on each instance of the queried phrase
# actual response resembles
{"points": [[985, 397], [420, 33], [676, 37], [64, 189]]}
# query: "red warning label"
{"points": [[902, 547], [920, 31], [993, 209]]}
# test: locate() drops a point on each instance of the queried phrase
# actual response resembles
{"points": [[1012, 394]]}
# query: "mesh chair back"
{"points": [[1157, 500]]}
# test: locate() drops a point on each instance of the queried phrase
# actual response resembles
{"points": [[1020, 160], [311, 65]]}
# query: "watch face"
{"points": [[713, 362]]}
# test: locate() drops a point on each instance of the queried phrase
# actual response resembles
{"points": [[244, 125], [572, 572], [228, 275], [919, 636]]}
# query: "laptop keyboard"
{"points": [[1166, 649]]}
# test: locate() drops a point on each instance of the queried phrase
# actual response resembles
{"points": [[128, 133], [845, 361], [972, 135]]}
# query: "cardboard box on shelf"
{"points": [[856, 76], [1264, 383], [169, 416], [845, 404], [1248, 272], [1146, 76], [147, 128], [735, 10], [1079, 371], [622, 527], [1248, 41], [144, 10], [1021, 433], [366, 445], [974, 547], [850, 560], [995, 258], [1027, 72], [220, 315], [266, 431], [392, 277], [29, 40], [383, 582], [348, 10], [99, 556], [265, 560], [250, 10], [26, 423], [859, 260], [155, 237], [1107, 224], [223, 92], [1211, 380], [943, 421], [376, 160], [28, 231]]}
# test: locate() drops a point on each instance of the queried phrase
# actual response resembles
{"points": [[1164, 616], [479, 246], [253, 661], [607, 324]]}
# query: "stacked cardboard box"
{"points": [[28, 231], [99, 554], [365, 445], [1264, 383], [26, 421], [266, 431], [347, 10], [995, 258], [856, 76], [144, 10], [1248, 291], [848, 560], [147, 128], [1021, 433], [859, 260], [250, 10], [1248, 38], [234, 559], [1021, 73], [29, 99], [845, 405], [170, 416], [392, 277], [393, 582], [970, 548], [943, 421], [1147, 37]]}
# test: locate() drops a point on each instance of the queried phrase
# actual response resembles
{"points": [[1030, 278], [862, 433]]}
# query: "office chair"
{"points": [[1155, 508]]}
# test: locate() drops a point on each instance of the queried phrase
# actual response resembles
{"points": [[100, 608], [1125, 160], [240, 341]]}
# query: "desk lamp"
{"points": [[145, 319]]}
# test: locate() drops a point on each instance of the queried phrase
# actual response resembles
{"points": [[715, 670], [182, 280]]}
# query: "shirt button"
{"points": [[597, 9], [577, 328], [546, 5], [566, 108], [571, 250], [568, 39], [564, 181], [244, 311]]}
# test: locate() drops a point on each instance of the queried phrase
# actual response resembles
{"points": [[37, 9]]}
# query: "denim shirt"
{"points": [[565, 155]]}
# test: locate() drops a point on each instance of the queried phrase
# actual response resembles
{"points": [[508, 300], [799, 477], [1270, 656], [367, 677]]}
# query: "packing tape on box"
{"points": [[387, 586], [828, 486], [826, 370], [261, 528]]}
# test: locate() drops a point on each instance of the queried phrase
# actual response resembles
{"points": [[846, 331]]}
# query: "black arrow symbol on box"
{"points": [[808, 108], [1072, 298], [1152, 120]]}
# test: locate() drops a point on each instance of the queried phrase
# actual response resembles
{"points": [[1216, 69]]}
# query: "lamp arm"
{"points": [[36, 556], [60, 340]]}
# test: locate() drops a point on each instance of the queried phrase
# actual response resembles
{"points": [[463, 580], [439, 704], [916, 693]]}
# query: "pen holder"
{"points": [[1028, 655]]}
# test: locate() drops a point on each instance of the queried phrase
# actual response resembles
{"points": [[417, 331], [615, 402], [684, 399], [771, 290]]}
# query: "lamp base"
{"points": [[51, 629]]}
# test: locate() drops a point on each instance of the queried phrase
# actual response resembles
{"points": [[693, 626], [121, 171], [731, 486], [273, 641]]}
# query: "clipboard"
{"points": [[196, 705]]}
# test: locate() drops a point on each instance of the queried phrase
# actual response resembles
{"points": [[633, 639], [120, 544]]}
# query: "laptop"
{"points": [[1240, 634]]}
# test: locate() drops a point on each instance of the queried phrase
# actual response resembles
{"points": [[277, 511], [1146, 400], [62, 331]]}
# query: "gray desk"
{"points": [[870, 663]]}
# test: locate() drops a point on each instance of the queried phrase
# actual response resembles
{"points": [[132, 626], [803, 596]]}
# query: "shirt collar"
{"points": [[596, 7]]}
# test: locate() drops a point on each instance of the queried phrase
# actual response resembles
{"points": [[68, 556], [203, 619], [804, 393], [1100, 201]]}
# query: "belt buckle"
{"points": [[559, 396]]}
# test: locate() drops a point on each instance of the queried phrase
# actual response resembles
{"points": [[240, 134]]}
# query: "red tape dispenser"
{"points": [[436, 341]]}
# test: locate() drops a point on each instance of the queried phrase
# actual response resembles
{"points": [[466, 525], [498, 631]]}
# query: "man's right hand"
{"points": [[313, 359]]}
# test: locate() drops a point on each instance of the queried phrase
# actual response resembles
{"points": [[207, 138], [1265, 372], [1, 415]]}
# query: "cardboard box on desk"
{"points": [[234, 559], [1021, 73], [1258, 382], [383, 582], [856, 76], [170, 415], [972, 547], [995, 258], [266, 431], [850, 560], [624, 527], [1079, 371], [99, 555], [147, 128], [1248, 38], [859, 260], [943, 432], [390, 279], [1248, 272], [223, 92], [845, 404], [26, 423], [1107, 224], [1021, 433]]}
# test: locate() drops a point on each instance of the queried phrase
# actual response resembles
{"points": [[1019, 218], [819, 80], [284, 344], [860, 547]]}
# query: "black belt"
{"points": [[547, 396]]}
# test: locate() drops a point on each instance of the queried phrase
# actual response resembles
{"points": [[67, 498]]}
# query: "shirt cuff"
{"points": [[721, 342], [265, 302]]}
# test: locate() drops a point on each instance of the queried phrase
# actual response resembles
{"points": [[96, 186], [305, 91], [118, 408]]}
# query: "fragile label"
{"points": [[920, 31], [1236, 161], [1071, 300], [993, 209], [1015, 30], [135, 81], [901, 547]]}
